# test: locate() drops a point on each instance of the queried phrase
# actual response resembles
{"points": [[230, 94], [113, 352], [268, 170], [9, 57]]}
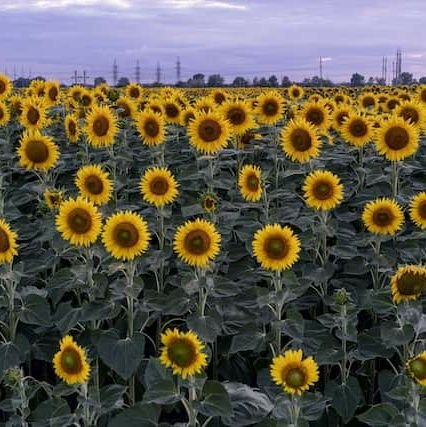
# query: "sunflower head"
{"points": [[357, 129], [383, 216], [34, 113], [53, 198], [269, 108], [127, 107], [209, 202], [72, 128], [4, 114], [417, 368], [6, 86], [295, 92], [8, 243], [417, 210], [412, 112], [250, 183], [293, 372], [52, 92], [158, 186], [408, 283], [134, 91], [70, 362], [94, 184], [239, 116], [317, 114], [101, 127], [151, 127]]}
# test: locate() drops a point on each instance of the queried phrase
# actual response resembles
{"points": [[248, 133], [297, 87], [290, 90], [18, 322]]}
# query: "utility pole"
{"points": [[75, 77], [178, 69], [85, 77], [138, 72], [115, 72], [158, 73]]}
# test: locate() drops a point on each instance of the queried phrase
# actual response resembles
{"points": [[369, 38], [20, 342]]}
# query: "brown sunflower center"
{"points": [[134, 92], [4, 241], [159, 186], [270, 107], [101, 126], [171, 110], [383, 217], [247, 137], [209, 203], [236, 116], [151, 128], [397, 138], [252, 182], [358, 128], [296, 93], [126, 234], [71, 361], [53, 93], [37, 151], [315, 116], [276, 247], [410, 114], [339, 99], [421, 209], [368, 101], [197, 242], [392, 103], [411, 283], [2, 86], [301, 140], [33, 115], [322, 190], [79, 221], [418, 368], [295, 378], [219, 98], [182, 352], [94, 184], [209, 130], [72, 128], [1, 113], [86, 100], [126, 109]]}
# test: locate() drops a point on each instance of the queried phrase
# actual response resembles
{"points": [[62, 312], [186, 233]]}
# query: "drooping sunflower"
{"points": [[33, 115], [408, 283], [72, 128], [37, 151], [94, 184], [70, 362], [183, 352], [209, 132], [4, 114], [158, 186], [8, 243], [209, 202], [126, 235], [6, 86], [397, 139], [413, 112], [300, 141], [417, 368], [239, 116], [317, 114], [128, 107], [295, 92], [79, 221], [269, 109], [323, 190], [357, 129], [383, 216], [293, 372], [250, 183], [101, 126], [275, 247], [151, 127], [197, 242], [417, 210], [53, 198]]}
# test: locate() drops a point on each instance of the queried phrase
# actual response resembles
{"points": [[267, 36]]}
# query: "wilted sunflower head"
{"points": [[417, 368], [408, 283]]}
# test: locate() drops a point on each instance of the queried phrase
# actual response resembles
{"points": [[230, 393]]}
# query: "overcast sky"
{"points": [[231, 37]]}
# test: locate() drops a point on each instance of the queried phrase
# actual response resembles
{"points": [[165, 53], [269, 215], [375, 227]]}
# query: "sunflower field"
{"points": [[212, 257]]}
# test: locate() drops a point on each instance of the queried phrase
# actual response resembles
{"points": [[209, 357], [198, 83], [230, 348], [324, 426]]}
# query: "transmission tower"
{"points": [[320, 68], [178, 69], [158, 73], [138, 72], [115, 72]]}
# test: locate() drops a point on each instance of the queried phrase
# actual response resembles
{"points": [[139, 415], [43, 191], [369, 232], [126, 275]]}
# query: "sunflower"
{"points": [[53, 198], [383, 216], [8, 244], [101, 127], [417, 368], [94, 184], [219, 96], [158, 186], [323, 190], [52, 92], [408, 283], [197, 242], [239, 116], [4, 114], [75, 92], [172, 111], [339, 115], [126, 235], [246, 138], [133, 91], [37, 151], [187, 116], [183, 352], [208, 132], [397, 139], [317, 114], [276, 247], [87, 100], [72, 128], [33, 115], [79, 221], [269, 108], [295, 92], [209, 202], [6, 86], [151, 128], [70, 362], [300, 141], [413, 112], [250, 183], [357, 129], [128, 107], [15, 105], [417, 210], [367, 100], [294, 373]]}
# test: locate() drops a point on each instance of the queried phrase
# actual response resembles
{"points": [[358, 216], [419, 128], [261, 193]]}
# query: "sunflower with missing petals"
{"points": [[72, 129], [383, 216], [197, 242], [250, 183], [151, 127], [269, 107], [408, 283], [417, 210], [275, 247], [239, 116], [101, 127], [323, 190], [94, 184], [6, 86], [293, 372], [357, 129], [70, 362], [8, 243], [300, 141], [34, 113], [417, 368], [209, 132], [396, 139], [183, 352], [126, 235], [4, 114], [158, 186], [53, 198], [37, 151]]}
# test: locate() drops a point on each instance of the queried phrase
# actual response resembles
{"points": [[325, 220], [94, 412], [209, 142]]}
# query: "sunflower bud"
{"points": [[341, 296]]}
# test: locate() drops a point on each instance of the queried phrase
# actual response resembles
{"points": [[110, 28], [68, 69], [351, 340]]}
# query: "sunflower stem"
{"points": [[265, 204], [295, 411], [361, 174], [415, 399], [203, 292], [343, 318], [376, 246], [278, 310], [86, 408], [210, 175], [192, 413], [131, 269], [395, 178]]}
